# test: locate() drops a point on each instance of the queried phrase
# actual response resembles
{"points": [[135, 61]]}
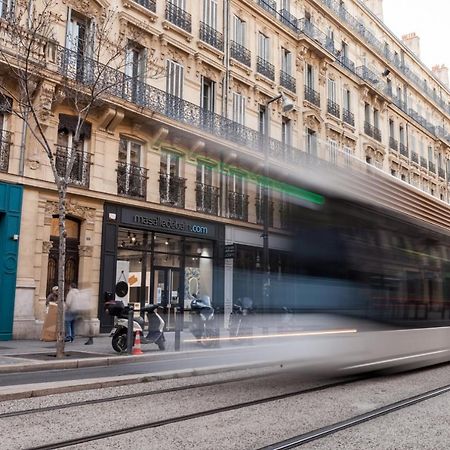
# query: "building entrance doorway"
{"points": [[167, 284]]}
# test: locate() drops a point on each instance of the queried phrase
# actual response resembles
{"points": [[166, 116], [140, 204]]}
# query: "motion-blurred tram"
{"points": [[358, 265]]}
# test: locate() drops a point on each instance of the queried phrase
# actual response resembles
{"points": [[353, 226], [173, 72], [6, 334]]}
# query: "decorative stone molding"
{"points": [[73, 208], [159, 137], [47, 246], [44, 102], [86, 250], [312, 120]]}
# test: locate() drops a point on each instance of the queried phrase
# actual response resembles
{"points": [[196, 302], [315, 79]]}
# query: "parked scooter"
{"points": [[202, 326], [119, 334], [240, 322]]}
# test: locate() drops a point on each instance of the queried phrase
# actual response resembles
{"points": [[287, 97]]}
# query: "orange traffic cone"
{"points": [[137, 345]]}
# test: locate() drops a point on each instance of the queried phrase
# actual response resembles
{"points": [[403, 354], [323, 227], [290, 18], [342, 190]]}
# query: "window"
{"points": [[174, 79], [7, 8], [238, 108], [332, 151], [332, 90], [376, 118], [179, 4], [311, 142], [208, 94], [135, 68], [210, 13], [207, 195], [347, 99], [170, 164], [391, 129], [344, 49], [171, 185], [131, 177], [236, 183], [239, 31], [262, 119], [367, 113], [204, 173], [286, 131], [286, 5], [430, 154], [263, 46], [402, 135], [129, 152], [286, 61], [309, 76]]}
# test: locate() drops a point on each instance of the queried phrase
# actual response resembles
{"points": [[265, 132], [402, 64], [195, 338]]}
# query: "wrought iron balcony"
{"points": [[393, 144], [423, 162], [289, 20], [312, 96], [372, 131], [240, 53], [404, 150], [414, 157], [5, 145], [441, 172], [306, 27], [334, 109], [432, 167], [207, 198], [148, 4], [287, 81], [259, 204], [269, 5], [265, 68], [80, 173], [211, 36], [347, 63], [178, 17], [172, 190], [348, 117], [131, 180], [237, 206]]}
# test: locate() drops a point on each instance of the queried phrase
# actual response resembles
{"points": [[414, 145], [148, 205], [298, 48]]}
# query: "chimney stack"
{"points": [[441, 73], [412, 41], [376, 6]]}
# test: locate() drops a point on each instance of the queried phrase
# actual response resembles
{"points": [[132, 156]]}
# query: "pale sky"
{"points": [[429, 19]]}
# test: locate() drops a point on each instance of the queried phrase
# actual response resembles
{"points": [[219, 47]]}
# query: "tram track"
{"points": [[187, 417]]}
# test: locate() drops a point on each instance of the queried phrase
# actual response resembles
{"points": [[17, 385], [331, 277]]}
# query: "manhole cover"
{"points": [[51, 356]]}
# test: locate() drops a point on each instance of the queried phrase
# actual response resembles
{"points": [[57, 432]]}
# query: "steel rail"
{"points": [[323, 432]]}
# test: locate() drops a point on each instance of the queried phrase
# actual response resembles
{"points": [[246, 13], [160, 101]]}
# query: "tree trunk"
{"points": [[60, 329]]}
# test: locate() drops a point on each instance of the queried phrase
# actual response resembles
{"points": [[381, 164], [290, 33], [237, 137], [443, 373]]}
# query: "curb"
{"points": [[31, 391]]}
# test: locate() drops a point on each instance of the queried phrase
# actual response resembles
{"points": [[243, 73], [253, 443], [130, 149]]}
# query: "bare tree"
{"points": [[88, 71]]}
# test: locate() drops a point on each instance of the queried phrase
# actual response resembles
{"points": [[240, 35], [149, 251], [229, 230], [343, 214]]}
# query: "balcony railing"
{"points": [[312, 96], [393, 143], [5, 145], [414, 157], [172, 190], [404, 150], [237, 206], [287, 81], [241, 54], [348, 117], [372, 131], [288, 19], [211, 36], [265, 68], [148, 4], [178, 17], [207, 198], [131, 180], [432, 167], [333, 108], [269, 5], [423, 162], [306, 27], [441, 172], [81, 168], [259, 204], [346, 62]]}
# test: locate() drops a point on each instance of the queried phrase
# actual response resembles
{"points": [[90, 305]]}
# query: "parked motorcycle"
{"points": [[119, 334], [202, 326], [240, 318]]}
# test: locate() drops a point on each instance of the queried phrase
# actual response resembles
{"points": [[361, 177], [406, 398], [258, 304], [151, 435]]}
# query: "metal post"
{"points": [[130, 330]]}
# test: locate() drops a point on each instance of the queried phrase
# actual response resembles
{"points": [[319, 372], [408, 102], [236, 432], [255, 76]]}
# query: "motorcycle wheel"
{"points": [[119, 342]]}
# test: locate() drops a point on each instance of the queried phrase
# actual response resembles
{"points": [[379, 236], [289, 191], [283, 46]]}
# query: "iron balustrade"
{"points": [[333, 108], [348, 117], [414, 157], [269, 5], [131, 180], [432, 167], [441, 172], [240, 53], [5, 146], [260, 215], [207, 198], [148, 4], [404, 150], [309, 29], [289, 20], [265, 68], [237, 206], [312, 96], [423, 162], [211, 36], [172, 190], [372, 131], [346, 62], [393, 144], [80, 173], [178, 17], [287, 81]]}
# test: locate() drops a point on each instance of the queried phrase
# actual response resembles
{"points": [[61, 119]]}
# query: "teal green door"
{"points": [[10, 213]]}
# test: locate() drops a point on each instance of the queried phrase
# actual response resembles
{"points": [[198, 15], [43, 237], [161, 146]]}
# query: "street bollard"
{"points": [[130, 330]]}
